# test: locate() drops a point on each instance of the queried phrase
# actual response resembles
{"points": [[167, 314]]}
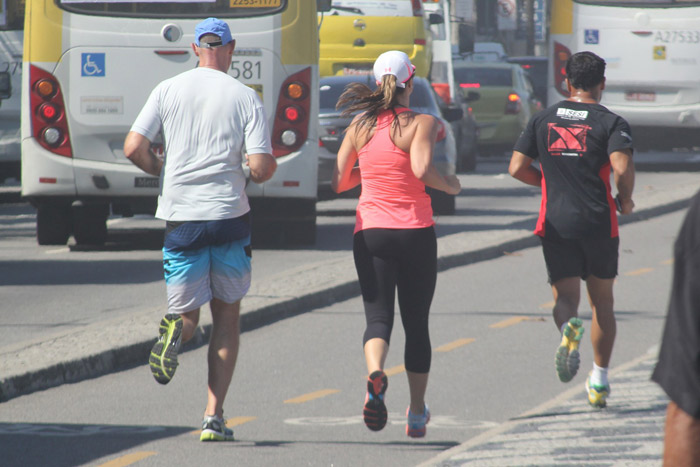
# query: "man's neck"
{"points": [[585, 97]]}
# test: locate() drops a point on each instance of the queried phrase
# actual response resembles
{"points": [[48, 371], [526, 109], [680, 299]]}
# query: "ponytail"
{"points": [[357, 97]]}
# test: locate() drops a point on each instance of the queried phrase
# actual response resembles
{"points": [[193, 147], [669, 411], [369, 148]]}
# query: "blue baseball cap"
{"points": [[213, 26]]}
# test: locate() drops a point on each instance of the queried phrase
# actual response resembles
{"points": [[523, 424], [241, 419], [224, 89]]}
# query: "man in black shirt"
{"points": [[678, 369], [577, 142]]}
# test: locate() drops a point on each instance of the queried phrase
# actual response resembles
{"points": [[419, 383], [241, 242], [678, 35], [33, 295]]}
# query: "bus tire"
{"points": [[300, 233], [53, 223], [90, 224]]}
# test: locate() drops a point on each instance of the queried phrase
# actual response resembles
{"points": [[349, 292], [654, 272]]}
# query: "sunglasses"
{"points": [[211, 45]]}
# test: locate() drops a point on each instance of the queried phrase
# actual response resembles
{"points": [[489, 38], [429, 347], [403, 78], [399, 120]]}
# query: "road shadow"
{"points": [[74, 444], [80, 272]]}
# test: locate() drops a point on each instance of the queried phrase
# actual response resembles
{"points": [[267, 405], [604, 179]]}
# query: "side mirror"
{"points": [[323, 5], [5, 85], [452, 114], [435, 18]]}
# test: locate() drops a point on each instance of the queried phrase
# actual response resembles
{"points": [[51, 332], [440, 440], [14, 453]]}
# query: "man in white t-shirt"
{"points": [[208, 120]]}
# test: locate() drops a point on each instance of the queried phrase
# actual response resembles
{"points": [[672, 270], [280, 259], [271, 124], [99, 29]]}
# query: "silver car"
{"points": [[423, 99]]}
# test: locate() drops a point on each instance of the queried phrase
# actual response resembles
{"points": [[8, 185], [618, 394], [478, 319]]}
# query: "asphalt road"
{"points": [[49, 291], [298, 389]]}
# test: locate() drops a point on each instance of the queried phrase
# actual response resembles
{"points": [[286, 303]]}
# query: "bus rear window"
{"points": [[175, 9]]}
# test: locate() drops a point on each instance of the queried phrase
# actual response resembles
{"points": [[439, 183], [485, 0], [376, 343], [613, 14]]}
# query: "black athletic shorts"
{"points": [[580, 257]]}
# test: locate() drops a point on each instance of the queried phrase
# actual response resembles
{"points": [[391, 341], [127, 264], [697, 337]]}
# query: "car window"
{"points": [[422, 96], [484, 76], [329, 95], [372, 7], [331, 89]]}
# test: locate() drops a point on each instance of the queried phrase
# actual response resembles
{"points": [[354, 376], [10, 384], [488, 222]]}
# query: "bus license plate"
{"points": [[255, 3], [640, 96]]}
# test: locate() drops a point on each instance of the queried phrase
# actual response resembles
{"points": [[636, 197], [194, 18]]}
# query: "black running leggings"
{"points": [[388, 260]]}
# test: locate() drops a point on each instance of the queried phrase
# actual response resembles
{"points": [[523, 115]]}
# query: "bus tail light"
{"points": [[49, 121], [417, 7], [513, 103], [443, 90], [561, 55], [291, 125]]}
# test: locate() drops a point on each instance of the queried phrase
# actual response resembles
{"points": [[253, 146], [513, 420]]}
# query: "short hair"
{"points": [[585, 70]]}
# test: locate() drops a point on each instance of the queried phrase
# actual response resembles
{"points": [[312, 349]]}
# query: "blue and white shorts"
{"points": [[204, 260]]}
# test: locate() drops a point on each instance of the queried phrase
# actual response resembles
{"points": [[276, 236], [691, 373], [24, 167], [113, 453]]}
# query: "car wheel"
{"points": [[90, 224], [442, 203]]}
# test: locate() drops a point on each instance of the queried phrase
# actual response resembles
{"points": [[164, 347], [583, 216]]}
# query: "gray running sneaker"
{"points": [[214, 429]]}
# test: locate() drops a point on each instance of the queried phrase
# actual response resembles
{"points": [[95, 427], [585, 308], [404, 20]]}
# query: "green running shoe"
{"points": [[597, 394], [163, 359], [567, 358], [214, 429]]}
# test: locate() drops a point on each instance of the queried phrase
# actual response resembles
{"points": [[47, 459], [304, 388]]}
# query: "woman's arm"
{"points": [[421, 153], [345, 175]]}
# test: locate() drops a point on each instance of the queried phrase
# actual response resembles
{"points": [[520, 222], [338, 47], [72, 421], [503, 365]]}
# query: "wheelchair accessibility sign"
{"points": [[92, 64]]}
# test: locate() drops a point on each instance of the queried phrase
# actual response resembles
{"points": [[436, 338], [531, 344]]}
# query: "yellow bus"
{"points": [[88, 67], [652, 51]]}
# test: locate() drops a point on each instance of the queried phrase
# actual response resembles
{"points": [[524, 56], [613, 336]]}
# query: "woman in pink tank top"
{"points": [[394, 243]]}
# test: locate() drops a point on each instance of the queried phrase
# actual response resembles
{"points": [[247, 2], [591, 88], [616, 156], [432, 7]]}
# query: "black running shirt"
{"points": [[573, 142]]}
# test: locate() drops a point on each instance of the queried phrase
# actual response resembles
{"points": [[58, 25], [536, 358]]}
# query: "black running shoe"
{"points": [[163, 359], [374, 412]]}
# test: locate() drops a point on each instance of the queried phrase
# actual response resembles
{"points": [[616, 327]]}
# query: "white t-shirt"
{"points": [[207, 118]]}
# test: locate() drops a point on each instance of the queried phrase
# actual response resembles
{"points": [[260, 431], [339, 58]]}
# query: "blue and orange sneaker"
{"points": [[163, 359], [597, 394], [567, 358], [374, 412], [415, 424]]}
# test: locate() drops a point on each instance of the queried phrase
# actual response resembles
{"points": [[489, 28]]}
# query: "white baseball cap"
{"points": [[394, 63]]}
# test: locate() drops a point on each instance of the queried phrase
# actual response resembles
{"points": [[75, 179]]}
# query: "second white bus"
{"points": [[652, 50]]}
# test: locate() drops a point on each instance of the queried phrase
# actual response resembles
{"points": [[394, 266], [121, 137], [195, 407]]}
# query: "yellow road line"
{"points": [[395, 370], [128, 459], [667, 262], [454, 345], [514, 320], [311, 396], [548, 304], [639, 272], [235, 421]]}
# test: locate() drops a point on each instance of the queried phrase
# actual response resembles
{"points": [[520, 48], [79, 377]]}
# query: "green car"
{"points": [[506, 101]]}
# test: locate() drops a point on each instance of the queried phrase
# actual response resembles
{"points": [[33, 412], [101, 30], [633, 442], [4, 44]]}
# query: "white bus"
{"points": [[652, 50], [11, 35], [88, 68]]}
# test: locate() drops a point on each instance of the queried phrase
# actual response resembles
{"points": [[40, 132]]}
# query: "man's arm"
{"points": [[137, 148], [521, 169], [623, 171], [262, 166]]}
